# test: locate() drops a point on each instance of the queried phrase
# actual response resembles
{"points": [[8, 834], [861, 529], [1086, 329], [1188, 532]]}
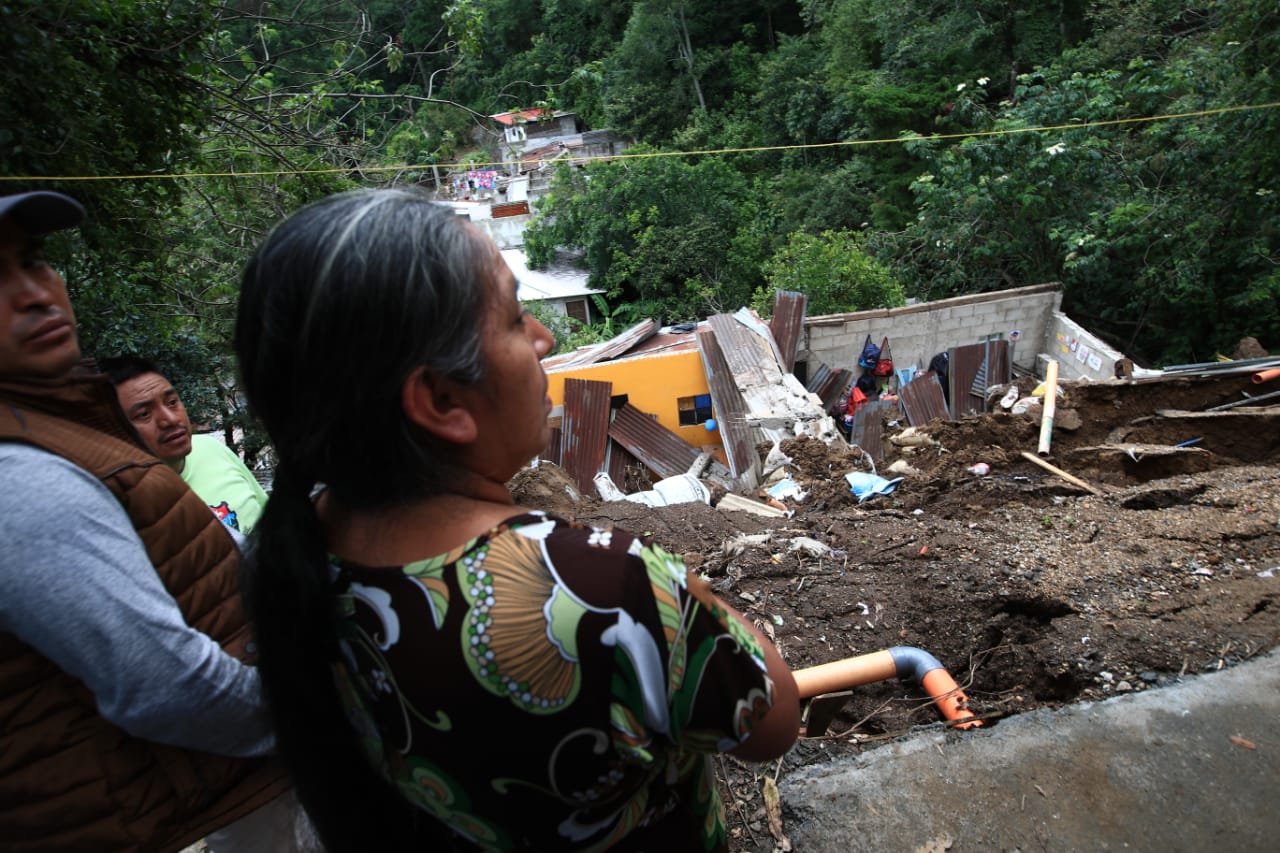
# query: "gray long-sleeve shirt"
{"points": [[76, 585]]}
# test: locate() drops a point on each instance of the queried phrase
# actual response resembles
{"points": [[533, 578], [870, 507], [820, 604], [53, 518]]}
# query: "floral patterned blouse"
{"points": [[550, 686]]}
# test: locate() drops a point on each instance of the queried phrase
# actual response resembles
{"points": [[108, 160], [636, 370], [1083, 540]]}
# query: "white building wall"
{"points": [[506, 231], [1080, 354]]}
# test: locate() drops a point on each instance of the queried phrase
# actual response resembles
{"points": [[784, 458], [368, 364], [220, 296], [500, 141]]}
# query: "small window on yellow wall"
{"points": [[694, 410]]}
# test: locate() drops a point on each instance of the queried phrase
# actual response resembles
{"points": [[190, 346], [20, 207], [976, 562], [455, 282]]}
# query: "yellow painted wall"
{"points": [[652, 384]]}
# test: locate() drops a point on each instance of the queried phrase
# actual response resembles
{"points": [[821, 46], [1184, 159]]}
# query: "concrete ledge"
{"points": [[1155, 770]]}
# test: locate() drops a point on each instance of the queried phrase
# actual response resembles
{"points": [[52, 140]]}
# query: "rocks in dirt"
{"points": [[1161, 498]]}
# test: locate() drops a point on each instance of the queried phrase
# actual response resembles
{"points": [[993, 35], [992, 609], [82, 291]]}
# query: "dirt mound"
{"points": [[1032, 591]]}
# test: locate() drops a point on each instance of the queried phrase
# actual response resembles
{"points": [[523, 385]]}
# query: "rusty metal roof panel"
{"points": [[613, 347], [652, 443], [970, 365], [787, 325], [828, 384], [746, 355], [922, 399], [868, 427], [619, 460], [585, 430], [737, 438]]}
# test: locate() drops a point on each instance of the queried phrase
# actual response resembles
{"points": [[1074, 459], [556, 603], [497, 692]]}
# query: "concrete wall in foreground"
{"points": [[918, 332], [1080, 354]]}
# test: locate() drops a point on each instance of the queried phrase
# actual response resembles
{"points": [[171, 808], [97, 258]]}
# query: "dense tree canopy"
{"points": [[861, 150]]}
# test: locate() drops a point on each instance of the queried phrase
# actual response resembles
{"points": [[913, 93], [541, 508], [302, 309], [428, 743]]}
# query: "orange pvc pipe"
{"points": [[949, 698], [1265, 375], [900, 662], [843, 674]]}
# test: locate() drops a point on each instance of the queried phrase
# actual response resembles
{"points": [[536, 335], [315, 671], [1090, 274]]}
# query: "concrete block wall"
{"points": [[1080, 354], [918, 332]]}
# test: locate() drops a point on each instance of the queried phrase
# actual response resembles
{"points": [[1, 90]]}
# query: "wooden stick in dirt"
{"points": [[1075, 481], [1050, 406]]}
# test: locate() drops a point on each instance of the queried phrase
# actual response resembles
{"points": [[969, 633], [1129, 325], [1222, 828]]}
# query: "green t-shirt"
{"points": [[216, 474]]}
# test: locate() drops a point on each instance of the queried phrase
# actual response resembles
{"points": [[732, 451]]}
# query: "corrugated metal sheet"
{"points": [[743, 350], [585, 430], [868, 427], [552, 453], [828, 384], [787, 325], [966, 364], [922, 399], [652, 443], [613, 347], [619, 460], [737, 438]]}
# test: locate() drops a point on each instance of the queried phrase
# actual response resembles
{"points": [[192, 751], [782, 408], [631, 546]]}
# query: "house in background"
{"points": [[561, 288]]}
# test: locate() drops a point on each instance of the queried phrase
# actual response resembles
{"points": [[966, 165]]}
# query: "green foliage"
{"points": [[1165, 235], [833, 271], [657, 233]]}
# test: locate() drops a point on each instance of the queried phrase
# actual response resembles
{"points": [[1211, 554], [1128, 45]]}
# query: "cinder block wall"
{"points": [[918, 332]]}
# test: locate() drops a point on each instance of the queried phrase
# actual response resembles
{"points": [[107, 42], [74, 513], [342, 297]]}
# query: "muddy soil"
{"points": [[1031, 590]]}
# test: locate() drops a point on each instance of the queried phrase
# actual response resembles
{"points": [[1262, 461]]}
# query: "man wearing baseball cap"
{"points": [[131, 720]]}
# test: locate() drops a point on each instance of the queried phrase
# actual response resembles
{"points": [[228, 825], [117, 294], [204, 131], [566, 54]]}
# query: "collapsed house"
{"points": [[694, 397], [702, 400]]}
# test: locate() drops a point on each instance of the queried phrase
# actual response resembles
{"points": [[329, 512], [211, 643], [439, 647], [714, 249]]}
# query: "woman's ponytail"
{"points": [[290, 599]]}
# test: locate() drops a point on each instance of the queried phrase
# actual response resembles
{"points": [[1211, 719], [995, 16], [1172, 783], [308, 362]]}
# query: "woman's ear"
{"points": [[432, 402]]}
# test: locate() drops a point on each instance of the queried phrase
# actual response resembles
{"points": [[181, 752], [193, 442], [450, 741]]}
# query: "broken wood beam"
{"points": [[1073, 480]]}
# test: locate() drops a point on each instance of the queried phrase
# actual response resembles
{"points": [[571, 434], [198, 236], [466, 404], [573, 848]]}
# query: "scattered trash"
{"points": [[775, 459], [912, 437], [1267, 573], [787, 488], [680, 489], [1239, 741], [903, 468], [740, 504], [865, 485], [1205, 572], [1010, 398], [980, 469], [810, 546], [1025, 405], [735, 546]]}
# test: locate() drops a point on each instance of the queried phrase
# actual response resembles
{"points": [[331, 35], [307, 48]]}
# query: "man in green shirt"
{"points": [[209, 467]]}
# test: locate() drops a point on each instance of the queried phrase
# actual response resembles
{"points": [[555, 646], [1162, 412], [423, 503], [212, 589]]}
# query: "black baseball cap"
{"points": [[42, 212]]}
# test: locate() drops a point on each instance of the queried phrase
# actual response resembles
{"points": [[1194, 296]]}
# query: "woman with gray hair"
{"points": [[444, 667]]}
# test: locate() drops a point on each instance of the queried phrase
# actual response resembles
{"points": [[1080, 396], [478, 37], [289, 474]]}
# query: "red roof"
{"points": [[515, 115]]}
